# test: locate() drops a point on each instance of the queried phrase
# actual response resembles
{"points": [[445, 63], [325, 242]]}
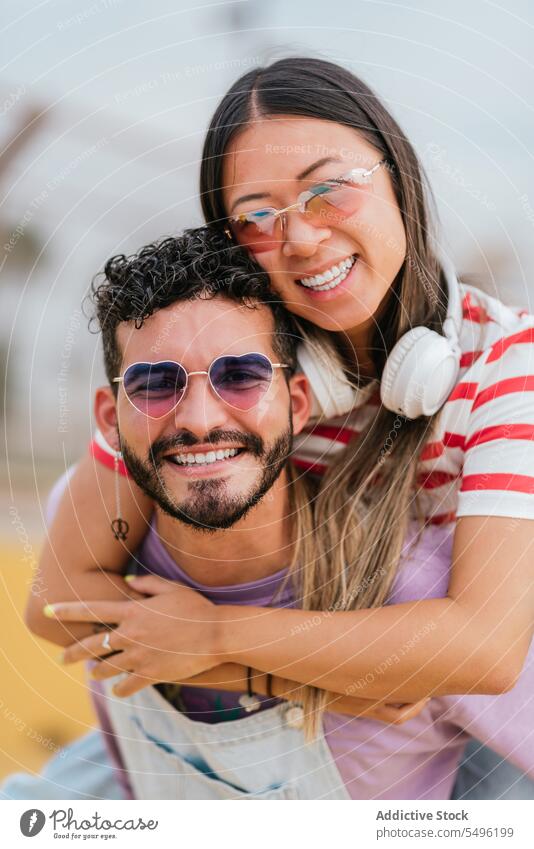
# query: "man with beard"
{"points": [[203, 400]]}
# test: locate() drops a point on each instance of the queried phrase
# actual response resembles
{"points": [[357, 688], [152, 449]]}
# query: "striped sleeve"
{"points": [[498, 472]]}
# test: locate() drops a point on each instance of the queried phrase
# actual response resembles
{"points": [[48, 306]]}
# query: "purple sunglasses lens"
{"points": [[155, 388], [242, 381]]}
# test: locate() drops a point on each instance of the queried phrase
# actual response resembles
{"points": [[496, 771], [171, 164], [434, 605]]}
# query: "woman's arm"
{"points": [[473, 641], [81, 559], [228, 676], [233, 678]]}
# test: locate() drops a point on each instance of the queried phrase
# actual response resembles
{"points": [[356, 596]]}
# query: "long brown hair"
{"points": [[351, 531]]}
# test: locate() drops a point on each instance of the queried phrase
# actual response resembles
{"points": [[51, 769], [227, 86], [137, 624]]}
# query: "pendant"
{"points": [[120, 528]]}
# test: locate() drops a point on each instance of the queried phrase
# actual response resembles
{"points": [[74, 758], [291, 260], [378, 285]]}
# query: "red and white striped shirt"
{"points": [[480, 459]]}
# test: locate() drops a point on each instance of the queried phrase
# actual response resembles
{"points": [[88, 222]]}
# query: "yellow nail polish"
{"points": [[61, 658], [129, 578], [49, 611]]}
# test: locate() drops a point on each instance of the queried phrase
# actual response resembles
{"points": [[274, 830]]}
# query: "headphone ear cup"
{"points": [[420, 374], [332, 394], [392, 393]]}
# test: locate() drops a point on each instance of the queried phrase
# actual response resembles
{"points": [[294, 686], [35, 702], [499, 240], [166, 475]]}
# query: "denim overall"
{"points": [[262, 756]]}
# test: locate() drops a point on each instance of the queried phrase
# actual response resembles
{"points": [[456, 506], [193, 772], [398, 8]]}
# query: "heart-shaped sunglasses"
{"points": [[155, 389]]}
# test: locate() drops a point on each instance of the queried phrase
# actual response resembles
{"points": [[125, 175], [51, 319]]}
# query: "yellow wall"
{"points": [[37, 695]]}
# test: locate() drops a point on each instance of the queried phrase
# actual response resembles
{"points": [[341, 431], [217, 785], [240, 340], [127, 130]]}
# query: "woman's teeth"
{"points": [[331, 278], [199, 458]]}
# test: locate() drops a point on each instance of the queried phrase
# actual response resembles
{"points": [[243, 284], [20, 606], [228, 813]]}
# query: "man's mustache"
{"points": [[186, 439]]}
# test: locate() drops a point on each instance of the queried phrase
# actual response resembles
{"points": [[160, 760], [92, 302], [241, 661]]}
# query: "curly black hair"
{"points": [[200, 263]]}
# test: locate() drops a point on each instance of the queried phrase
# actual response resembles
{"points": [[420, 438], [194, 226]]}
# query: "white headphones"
{"points": [[418, 377]]}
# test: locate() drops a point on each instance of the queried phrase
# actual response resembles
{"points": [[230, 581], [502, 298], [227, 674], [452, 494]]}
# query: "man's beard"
{"points": [[209, 508]]}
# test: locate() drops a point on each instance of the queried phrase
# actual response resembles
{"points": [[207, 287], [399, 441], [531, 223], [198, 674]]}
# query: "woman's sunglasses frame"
{"points": [[357, 176]]}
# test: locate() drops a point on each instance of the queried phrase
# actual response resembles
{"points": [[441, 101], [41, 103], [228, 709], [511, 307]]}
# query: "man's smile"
{"points": [[202, 457], [197, 463]]}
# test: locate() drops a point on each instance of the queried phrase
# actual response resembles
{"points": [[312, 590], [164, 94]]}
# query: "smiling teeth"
{"points": [[331, 278], [200, 459]]}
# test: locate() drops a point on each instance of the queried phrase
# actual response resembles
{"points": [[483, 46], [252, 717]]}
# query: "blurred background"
{"points": [[103, 105]]}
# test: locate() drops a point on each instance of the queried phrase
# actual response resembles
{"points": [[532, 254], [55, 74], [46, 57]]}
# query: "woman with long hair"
{"points": [[425, 423]]}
